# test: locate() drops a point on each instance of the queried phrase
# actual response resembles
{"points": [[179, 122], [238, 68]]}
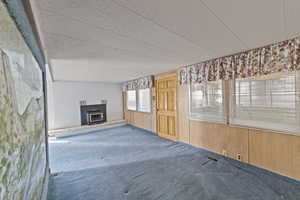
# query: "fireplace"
{"points": [[93, 114]]}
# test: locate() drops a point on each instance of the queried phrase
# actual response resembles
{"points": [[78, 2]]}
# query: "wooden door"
{"points": [[166, 107]]}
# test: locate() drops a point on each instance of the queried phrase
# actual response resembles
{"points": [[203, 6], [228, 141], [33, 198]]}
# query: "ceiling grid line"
{"points": [[160, 25], [122, 51], [105, 29], [226, 26], [120, 40]]}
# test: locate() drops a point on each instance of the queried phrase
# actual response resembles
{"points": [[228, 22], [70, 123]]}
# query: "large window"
{"points": [[131, 100], [144, 99], [207, 102], [270, 102], [139, 100]]}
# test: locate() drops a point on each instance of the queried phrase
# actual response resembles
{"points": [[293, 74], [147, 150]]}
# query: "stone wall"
{"points": [[23, 165]]}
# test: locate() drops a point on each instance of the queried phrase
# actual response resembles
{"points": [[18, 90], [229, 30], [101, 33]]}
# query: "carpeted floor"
{"points": [[128, 163]]}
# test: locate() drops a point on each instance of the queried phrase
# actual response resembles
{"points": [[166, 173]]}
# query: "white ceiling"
{"points": [[119, 40]]}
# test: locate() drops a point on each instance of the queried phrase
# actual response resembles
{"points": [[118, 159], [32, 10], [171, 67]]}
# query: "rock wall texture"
{"points": [[23, 165]]}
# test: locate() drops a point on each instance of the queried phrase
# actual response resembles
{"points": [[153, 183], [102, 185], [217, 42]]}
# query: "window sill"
{"points": [[207, 118], [206, 121], [286, 132], [140, 111]]}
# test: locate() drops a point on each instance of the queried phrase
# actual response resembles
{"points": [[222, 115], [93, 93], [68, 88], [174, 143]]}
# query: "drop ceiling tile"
{"points": [[108, 41], [110, 17], [189, 19], [256, 22]]}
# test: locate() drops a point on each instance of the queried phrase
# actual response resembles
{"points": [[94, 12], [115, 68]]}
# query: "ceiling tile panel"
{"points": [[117, 40], [256, 22], [114, 20], [189, 19]]}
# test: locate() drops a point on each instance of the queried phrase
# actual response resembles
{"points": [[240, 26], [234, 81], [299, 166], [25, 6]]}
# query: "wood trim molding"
{"points": [[165, 75]]}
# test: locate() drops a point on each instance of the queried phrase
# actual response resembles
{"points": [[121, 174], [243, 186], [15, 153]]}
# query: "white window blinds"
{"points": [[206, 102], [144, 99], [270, 102], [131, 100]]}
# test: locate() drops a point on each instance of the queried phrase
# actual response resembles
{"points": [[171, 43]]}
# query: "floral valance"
{"points": [[141, 83], [280, 57]]}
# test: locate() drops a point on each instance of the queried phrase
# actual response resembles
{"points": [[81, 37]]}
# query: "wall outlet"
{"points": [[224, 152], [239, 157]]}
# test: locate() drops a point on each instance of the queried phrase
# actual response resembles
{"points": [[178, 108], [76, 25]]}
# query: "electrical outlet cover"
{"points": [[239, 157]]}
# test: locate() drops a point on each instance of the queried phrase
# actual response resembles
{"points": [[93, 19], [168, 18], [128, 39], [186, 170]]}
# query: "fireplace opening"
{"points": [[94, 117], [93, 114]]}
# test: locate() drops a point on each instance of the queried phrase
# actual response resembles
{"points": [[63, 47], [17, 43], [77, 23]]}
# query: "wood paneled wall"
{"points": [[183, 126], [141, 119], [220, 138], [277, 152]]}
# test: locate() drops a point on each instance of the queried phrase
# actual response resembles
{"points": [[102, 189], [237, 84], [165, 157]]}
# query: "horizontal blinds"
{"points": [[131, 100], [207, 101], [270, 102], [144, 99]]}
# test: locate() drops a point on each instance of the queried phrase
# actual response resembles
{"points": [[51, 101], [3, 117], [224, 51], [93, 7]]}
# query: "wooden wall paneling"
{"points": [[296, 158], [220, 138], [182, 113], [137, 119], [204, 135], [131, 117], [140, 119], [147, 121], [236, 142], [276, 152]]}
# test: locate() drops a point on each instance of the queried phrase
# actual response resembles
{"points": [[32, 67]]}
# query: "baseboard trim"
{"points": [[87, 130], [145, 130]]}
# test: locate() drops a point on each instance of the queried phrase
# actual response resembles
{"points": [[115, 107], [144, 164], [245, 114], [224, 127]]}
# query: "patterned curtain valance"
{"points": [[280, 57], [141, 83]]}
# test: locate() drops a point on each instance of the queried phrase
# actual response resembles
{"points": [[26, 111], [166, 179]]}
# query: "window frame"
{"points": [[232, 105], [190, 117], [138, 100], [136, 106]]}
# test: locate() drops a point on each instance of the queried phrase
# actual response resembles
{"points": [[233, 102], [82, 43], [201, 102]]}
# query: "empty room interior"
{"points": [[149, 100]]}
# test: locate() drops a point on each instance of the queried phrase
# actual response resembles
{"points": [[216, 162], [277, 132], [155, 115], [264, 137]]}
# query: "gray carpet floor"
{"points": [[128, 163]]}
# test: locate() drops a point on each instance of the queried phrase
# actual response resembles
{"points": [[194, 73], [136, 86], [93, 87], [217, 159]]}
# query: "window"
{"points": [[207, 101], [144, 99], [270, 102], [131, 100], [139, 100]]}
